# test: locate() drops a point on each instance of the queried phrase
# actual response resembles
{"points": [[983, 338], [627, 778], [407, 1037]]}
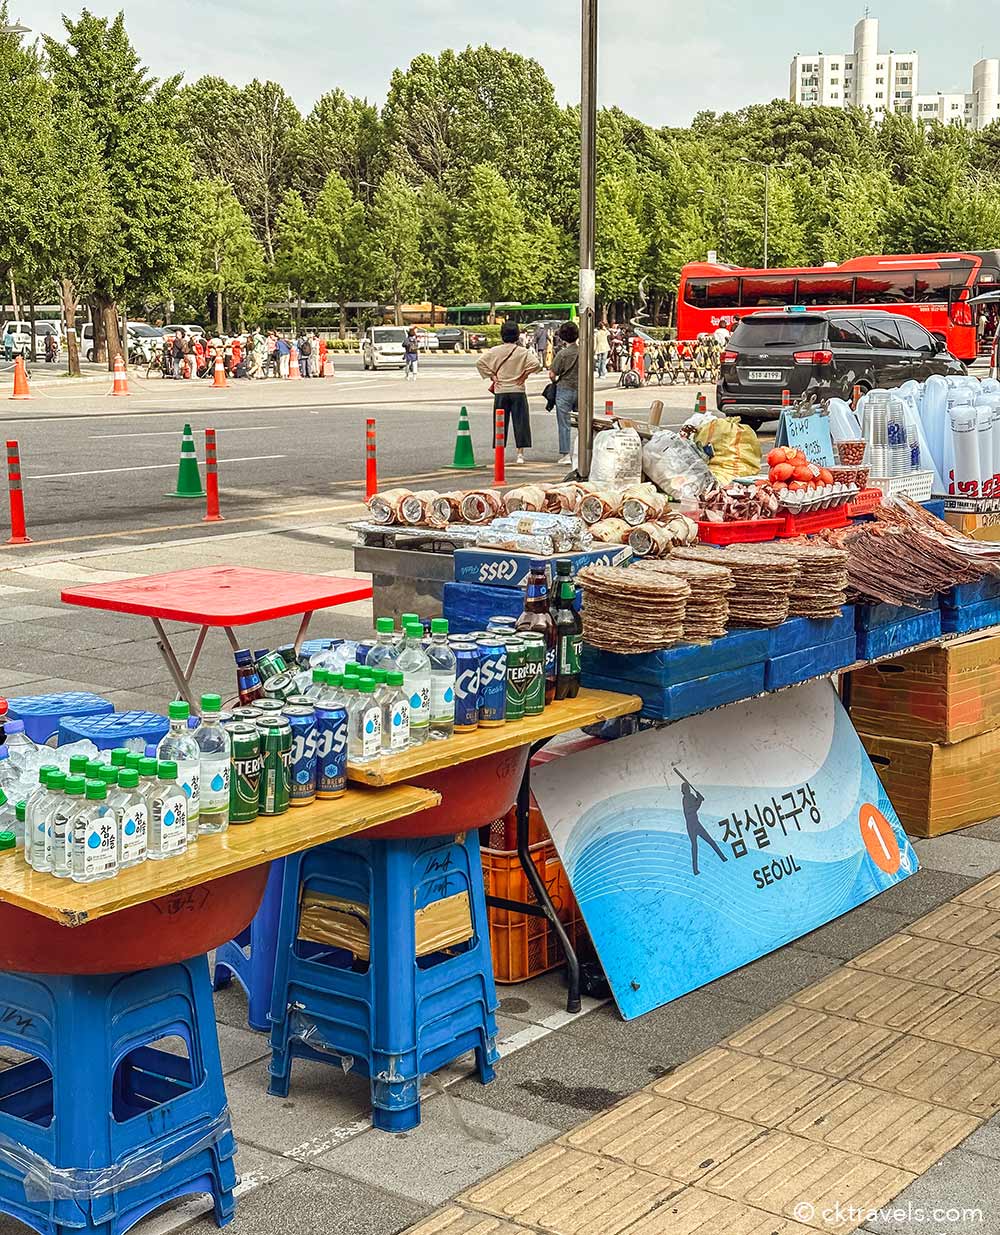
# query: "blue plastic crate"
{"points": [[42, 713], [867, 617], [687, 698], [799, 633], [312, 646], [107, 732], [500, 568], [897, 636], [686, 663], [987, 588], [970, 617], [810, 662], [935, 507]]}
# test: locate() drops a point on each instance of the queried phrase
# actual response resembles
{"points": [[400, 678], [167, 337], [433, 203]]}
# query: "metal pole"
{"points": [[766, 211], [588, 162]]}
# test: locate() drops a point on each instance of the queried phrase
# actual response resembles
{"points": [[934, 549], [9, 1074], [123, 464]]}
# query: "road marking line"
{"points": [[97, 437], [143, 467]]}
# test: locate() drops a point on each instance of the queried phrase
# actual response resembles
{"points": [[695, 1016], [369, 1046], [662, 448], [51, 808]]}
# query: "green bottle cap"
{"points": [[352, 667], [178, 710], [128, 778], [385, 626], [319, 675], [97, 791], [56, 781], [394, 677], [334, 679], [406, 618], [75, 786], [379, 676], [211, 703], [439, 626], [48, 769], [78, 764], [94, 769], [367, 686], [366, 673], [7, 841], [108, 776], [20, 810], [147, 767], [133, 760], [118, 757], [414, 630], [167, 770]]}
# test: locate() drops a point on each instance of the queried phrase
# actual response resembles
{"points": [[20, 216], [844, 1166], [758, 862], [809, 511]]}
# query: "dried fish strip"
{"points": [[631, 611]]}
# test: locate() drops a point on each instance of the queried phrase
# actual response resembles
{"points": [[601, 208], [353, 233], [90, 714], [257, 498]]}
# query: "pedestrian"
{"points": [[565, 373], [601, 344], [283, 352], [51, 348], [314, 364], [322, 356], [508, 366], [722, 334], [541, 341], [411, 353], [258, 355], [271, 353], [305, 354], [8, 343], [177, 354]]}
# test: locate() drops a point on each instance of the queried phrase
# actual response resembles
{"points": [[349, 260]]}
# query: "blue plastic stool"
{"points": [[255, 973], [395, 1016], [107, 732], [42, 714], [312, 646], [100, 1127]]}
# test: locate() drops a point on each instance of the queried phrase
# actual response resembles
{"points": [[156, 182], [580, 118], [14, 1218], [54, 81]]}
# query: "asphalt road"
{"points": [[97, 469]]}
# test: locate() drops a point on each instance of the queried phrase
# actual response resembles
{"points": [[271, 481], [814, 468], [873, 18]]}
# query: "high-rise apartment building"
{"points": [[882, 82]]}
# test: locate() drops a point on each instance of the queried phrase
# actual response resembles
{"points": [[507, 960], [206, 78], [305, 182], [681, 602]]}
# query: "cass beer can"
{"points": [[302, 719], [280, 686], [270, 665], [466, 686], [266, 708], [516, 677], [492, 682], [534, 673], [364, 647], [275, 765], [331, 752], [299, 701], [244, 777]]}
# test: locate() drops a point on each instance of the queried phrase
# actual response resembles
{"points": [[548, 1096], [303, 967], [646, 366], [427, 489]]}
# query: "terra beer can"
{"points": [[516, 677], [302, 719], [275, 765], [534, 673], [244, 779], [492, 682], [466, 686], [280, 686], [331, 752], [270, 665]]}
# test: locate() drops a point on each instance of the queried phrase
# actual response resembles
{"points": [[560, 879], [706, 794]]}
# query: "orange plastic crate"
{"points": [[524, 945]]}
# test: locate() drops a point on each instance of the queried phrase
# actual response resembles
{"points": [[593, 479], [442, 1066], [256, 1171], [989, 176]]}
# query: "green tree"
{"points": [[208, 118], [339, 232], [227, 263], [620, 243], [297, 263], [341, 135], [394, 242], [490, 236]]}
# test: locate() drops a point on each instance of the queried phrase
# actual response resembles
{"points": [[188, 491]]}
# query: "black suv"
{"points": [[823, 352]]}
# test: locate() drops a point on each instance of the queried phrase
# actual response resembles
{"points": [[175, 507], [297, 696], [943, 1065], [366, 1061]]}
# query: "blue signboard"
{"points": [[697, 848], [810, 434]]}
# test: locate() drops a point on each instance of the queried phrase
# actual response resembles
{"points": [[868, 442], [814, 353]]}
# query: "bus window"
{"points": [[696, 292], [894, 288], [722, 293], [825, 289], [767, 291], [935, 285]]}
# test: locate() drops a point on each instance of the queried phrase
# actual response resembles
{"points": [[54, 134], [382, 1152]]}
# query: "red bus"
{"points": [[932, 288]]}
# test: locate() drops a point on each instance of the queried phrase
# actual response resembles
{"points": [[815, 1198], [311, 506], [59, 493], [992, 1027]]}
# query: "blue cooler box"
{"points": [[501, 568], [43, 714]]}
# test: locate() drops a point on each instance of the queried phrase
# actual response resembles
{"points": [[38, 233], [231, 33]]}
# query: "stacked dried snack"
{"points": [[707, 612], [821, 587], [763, 581], [632, 611]]}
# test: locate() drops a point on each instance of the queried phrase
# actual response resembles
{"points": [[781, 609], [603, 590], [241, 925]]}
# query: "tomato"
{"points": [[826, 476], [802, 472], [791, 455], [798, 486], [783, 471], [776, 456]]}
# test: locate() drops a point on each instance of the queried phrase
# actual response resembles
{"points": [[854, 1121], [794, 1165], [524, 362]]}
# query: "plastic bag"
{"points": [[844, 424], [735, 450], [617, 459], [676, 466]]}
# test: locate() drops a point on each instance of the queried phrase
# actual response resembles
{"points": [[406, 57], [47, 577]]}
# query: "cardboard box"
{"points": [[944, 694], [937, 789], [344, 924], [978, 526]]}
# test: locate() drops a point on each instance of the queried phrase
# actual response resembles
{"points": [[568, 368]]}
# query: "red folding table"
{"points": [[225, 596]]}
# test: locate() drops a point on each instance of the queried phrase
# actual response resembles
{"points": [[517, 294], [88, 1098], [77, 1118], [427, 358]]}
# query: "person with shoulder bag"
{"points": [[508, 366]]}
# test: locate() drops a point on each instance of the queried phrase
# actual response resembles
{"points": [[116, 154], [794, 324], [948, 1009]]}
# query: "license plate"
{"points": [[765, 375]]}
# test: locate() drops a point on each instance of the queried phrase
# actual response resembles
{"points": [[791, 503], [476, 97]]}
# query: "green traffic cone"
{"points": [[464, 459], [188, 476]]}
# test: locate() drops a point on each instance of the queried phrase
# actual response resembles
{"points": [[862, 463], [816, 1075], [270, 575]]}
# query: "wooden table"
{"points": [[213, 857]]}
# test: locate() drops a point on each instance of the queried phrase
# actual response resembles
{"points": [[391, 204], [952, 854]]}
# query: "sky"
{"points": [[662, 61]]}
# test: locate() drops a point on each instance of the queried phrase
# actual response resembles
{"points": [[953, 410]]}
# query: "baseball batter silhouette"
{"points": [[691, 800]]}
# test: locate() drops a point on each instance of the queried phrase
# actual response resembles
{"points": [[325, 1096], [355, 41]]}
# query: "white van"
{"points": [[21, 331], [383, 347]]}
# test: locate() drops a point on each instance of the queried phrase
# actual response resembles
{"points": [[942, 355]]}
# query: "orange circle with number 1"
{"points": [[879, 838]]}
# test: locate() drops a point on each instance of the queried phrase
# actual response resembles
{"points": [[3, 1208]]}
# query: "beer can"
{"points": [[302, 720], [492, 682], [534, 673], [516, 677], [271, 665], [247, 715], [226, 718], [299, 701], [466, 686], [244, 778], [280, 686], [275, 766], [331, 752], [289, 655], [268, 707], [364, 647], [501, 626]]}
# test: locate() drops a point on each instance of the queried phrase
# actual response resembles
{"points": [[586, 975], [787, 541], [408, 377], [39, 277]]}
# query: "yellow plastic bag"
{"points": [[735, 450]]}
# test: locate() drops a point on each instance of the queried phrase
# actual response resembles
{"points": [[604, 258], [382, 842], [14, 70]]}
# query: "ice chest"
{"points": [[688, 698], [501, 568], [937, 788], [943, 694], [469, 606], [809, 662], [684, 663]]}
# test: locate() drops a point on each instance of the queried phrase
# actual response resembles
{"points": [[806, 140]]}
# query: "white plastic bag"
{"points": [[676, 466], [617, 459]]}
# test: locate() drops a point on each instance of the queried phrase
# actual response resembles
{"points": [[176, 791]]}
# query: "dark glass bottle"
{"points": [[248, 682], [569, 633], [564, 572], [536, 617]]}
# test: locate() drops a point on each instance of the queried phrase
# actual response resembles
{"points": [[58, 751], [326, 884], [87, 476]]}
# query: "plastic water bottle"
{"points": [[133, 824], [22, 752], [69, 794], [442, 662], [8, 814], [180, 748], [94, 853], [216, 752], [41, 806], [148, 784], [168, 827], [8, 773], [416, 671], [315, 689], [19, 810], [395, 705], [364, 725], [383, 654]]}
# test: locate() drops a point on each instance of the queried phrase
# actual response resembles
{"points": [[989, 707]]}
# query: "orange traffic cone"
{"points": [[120, 386], [293, 364], [219, 376], [21, 390]]}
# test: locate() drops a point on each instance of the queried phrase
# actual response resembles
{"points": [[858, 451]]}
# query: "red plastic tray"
{"points": [[866, 501], [814, 521], [740, 531]]}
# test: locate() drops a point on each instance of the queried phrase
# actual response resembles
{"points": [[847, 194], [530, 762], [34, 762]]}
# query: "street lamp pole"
{"points": [[767, 212], [588, 278]]}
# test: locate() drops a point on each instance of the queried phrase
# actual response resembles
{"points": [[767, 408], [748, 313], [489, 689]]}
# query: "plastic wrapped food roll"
{"points": [[611, 531], [498, 538], [526, 497], [447, 508], [481, 505], [605, 504], [418, 507], [386, 507]]}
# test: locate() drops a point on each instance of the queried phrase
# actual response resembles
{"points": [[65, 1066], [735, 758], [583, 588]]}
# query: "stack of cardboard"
{"points": [[931, 724]]}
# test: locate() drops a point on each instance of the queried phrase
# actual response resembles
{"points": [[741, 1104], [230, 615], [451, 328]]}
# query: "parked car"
{"points": [[21, 332], [451, 338], [823, 353], [382, 347], [427, 340]]}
